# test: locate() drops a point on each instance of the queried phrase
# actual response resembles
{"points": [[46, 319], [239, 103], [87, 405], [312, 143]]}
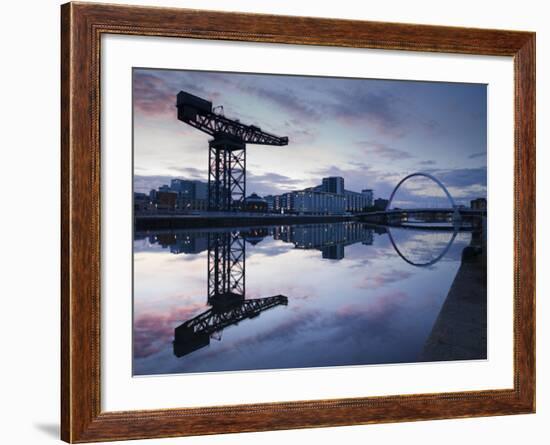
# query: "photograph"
{"points": [[293, 221]]}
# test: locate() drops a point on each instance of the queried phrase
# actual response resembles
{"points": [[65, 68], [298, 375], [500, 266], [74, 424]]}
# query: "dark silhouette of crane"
{"points": [[196, 332], [227, 149], [226, 295]]}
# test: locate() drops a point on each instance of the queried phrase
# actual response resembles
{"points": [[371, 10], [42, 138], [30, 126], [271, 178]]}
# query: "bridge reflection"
{"points": [[424, 263], [226, 263], [329, 238]]}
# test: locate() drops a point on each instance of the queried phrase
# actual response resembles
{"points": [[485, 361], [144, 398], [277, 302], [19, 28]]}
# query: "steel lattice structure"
{"points": [[214, 320], [226, 295], [226, 174], [227, 149], [218, 125], [226, 267]]}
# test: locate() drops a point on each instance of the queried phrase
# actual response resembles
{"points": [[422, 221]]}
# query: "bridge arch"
{"points": [[425, 175], [426, 263]]}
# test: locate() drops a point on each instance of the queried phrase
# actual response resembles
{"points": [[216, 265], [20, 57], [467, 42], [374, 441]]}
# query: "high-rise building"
{"points": [[369, 196], [166, 200], [333, 184], [191, 189], [328, 198], [183, 187], [478, 204], [320, 203], [201, 190], [270, 200], [191, 195], [142, 203], [380, 203], [286, 202]]}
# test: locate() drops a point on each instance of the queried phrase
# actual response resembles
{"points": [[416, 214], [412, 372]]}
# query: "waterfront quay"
{"points": [[460, 330], [228, 219]]}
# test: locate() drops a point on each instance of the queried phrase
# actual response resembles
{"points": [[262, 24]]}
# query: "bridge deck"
{"points": [[424, 210]]}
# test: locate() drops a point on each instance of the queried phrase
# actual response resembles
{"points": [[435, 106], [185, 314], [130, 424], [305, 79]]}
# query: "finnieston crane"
{"points": [[227, 149], [196, 333], [226, 295]]}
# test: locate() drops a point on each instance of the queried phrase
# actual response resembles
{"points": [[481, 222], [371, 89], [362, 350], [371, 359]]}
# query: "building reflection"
{"points": [[458, 332], [329, 238], [226, 251]]}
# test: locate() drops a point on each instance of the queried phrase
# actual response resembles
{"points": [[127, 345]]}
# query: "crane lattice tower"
{"points": [[227, 149]]}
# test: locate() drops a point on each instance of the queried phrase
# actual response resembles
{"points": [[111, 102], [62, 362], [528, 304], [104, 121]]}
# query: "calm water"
{"points": [[288, 296]]}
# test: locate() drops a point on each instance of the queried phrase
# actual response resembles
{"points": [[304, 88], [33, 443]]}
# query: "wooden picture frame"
{"points": [[82, 25]]}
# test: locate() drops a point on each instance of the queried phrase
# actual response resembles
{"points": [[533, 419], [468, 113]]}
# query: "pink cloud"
{"points": [[383, 279], [153, 331]]}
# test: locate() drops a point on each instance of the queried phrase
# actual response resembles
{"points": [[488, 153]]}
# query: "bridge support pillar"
{"points": [[457, 217]]}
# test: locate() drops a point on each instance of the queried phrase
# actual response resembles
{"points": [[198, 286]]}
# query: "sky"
{"points": [[371, 132]]}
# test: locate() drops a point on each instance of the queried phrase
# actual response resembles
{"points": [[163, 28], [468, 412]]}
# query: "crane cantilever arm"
{"points": [[198, 113], [195, 333], [213, 320]]}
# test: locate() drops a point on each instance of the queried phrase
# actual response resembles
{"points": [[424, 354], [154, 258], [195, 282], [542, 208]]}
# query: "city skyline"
{"points": [[370, 132], [170, 182]]}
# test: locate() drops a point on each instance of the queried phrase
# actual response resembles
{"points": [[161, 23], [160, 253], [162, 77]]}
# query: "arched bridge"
{"points": [[425, 175], [396, 215]]}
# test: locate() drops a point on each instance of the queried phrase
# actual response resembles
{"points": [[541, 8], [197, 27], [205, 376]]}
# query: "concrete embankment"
{"points": [[145, 222], [460, 331]]}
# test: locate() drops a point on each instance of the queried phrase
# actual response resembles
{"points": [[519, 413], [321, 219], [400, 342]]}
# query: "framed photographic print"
{"points": [[275, 222]]}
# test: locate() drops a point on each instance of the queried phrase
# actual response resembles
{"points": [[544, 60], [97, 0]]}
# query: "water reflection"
{"points": [[226, 294], [357, 302], [424, 257]]}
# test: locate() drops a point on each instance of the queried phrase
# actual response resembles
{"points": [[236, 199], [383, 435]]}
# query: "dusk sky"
{"points": [[371, 132]]}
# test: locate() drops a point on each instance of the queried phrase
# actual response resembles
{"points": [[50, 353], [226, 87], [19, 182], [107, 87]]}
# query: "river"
{"points": [[318, 295]]}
